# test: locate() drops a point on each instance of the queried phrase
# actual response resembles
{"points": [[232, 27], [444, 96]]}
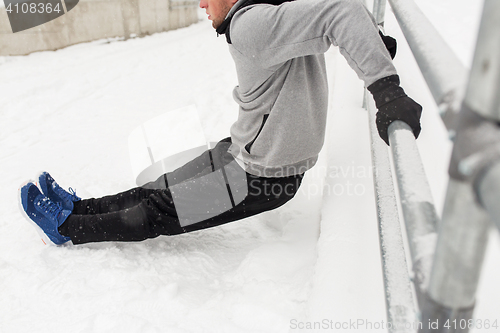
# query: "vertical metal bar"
{"points": [[442, 70], [457, 262], [401, 312], [464, 230], [483, 98], [489, 192], [460, 250], [484, 83], [379, 11], [419, 212]]}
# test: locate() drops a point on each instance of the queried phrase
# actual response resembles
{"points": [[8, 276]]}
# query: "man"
{"points": [[282, 95]]}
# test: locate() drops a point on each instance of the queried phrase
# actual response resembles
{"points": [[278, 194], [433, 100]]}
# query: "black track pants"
{"points": [[208, 191]]}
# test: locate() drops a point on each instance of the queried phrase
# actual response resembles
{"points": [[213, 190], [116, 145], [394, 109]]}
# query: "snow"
{"points": [[70, 112]]}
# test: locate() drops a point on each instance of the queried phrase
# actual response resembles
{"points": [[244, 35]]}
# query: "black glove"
{"points": [[393, 104]]}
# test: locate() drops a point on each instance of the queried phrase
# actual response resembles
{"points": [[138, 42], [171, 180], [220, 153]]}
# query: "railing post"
{"points": [[464, 230], [379, 11], [457, 262], [483, 98], [488, 189]]}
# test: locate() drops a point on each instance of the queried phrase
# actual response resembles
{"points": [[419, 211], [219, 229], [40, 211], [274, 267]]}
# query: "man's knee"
{"points": [[158, 184]]}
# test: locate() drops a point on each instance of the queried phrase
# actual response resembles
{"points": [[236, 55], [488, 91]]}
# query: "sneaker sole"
{"points": [[45, 239]]}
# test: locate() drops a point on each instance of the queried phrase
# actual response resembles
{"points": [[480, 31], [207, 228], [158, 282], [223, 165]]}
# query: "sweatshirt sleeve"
{"points": [[270, 35]]}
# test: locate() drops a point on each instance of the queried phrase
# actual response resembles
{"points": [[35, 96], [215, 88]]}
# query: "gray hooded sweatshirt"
{"points": [[282, 87]]}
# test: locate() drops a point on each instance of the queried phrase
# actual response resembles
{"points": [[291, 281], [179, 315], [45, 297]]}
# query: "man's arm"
{"points": [[271, 35]]}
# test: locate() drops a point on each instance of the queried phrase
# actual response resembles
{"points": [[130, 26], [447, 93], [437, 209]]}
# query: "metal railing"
{"points": [[442, 70], [446, 271], [400, 304]]}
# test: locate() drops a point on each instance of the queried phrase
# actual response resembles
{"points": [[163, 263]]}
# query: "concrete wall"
{"points": [[96, 19]]}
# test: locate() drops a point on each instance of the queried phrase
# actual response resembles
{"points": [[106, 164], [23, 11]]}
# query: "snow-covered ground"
{"points": [[70, 112]]}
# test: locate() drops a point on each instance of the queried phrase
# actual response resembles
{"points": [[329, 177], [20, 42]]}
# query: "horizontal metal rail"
{"points": [[419, 212], [401, 312]]}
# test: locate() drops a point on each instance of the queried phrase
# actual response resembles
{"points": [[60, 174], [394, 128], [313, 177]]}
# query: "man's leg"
{"points": [[218, 191], [157, 215], [264, 194], [111, 203], [196, 168]]}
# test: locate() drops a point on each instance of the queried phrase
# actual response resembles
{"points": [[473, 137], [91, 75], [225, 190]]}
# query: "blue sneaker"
{"points": [[46, 215], [56, 193]]}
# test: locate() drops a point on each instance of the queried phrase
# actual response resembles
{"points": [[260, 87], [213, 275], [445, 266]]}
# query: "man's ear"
{"points": [[233, 2]]}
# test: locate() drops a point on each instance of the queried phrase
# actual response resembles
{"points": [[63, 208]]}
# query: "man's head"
{"points": [[217, 10]]}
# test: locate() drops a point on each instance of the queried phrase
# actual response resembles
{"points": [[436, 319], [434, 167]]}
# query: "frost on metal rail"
{"points": [[419, 212], [420, 216], [401, 312]]}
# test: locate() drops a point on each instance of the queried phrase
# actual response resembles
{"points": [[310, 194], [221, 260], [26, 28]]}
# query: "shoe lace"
{"points": [[49, 207], [63, 193], [72, 192]]}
